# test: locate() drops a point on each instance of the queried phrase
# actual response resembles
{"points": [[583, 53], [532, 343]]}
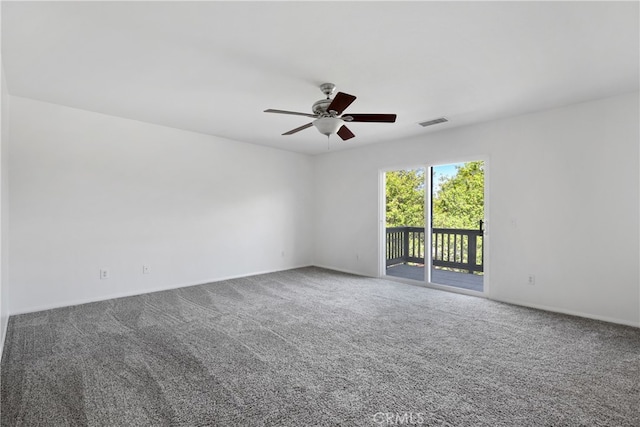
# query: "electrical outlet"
{"points": [[531, 280], [104, 274], [146, 269]]}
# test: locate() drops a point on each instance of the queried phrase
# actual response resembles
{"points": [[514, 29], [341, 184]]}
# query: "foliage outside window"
{"points": [[458, 201]]}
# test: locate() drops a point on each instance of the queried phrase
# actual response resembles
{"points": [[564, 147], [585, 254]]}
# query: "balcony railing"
{"points": [[453, 248], [405, 244]]}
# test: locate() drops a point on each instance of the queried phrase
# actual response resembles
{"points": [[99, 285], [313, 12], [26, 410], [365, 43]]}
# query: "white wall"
{"points": [[91, 191], [564, 204]]}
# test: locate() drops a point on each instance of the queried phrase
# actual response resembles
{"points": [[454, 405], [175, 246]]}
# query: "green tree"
{"points": [[459, 203], [405, 198]]}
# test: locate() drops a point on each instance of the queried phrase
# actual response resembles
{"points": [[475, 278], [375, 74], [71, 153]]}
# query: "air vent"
{"points": [[433, 122]]}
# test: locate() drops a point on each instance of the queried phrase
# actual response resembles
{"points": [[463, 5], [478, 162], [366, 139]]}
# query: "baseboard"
{"points": [[569, 312], [4, 336], [357, 273], [508, 301], [341, 270], [149, 291]]}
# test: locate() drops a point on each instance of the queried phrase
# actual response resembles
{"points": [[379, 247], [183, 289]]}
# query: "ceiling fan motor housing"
{"points": [[320, 107]]}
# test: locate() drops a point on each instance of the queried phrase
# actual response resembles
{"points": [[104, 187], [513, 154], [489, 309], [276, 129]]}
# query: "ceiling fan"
{"points": [[328, 114]]}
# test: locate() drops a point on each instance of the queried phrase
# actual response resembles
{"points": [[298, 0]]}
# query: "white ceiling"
{"points": [[213, 67]]}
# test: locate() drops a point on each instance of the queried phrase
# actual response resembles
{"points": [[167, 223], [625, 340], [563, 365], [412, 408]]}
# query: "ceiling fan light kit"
{"points": [[327, 113], [328, 125]]}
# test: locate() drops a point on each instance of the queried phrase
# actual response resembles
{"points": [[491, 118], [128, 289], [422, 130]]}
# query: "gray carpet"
{"points": [[313, 347]]}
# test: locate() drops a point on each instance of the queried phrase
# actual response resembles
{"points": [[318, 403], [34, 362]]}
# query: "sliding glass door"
{"points": [[433, 225]]}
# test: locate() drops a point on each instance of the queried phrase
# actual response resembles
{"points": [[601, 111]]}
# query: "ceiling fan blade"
{"points": [[345, 133], [340, 102], [291, 112], [381, 118], [292, 131]]}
